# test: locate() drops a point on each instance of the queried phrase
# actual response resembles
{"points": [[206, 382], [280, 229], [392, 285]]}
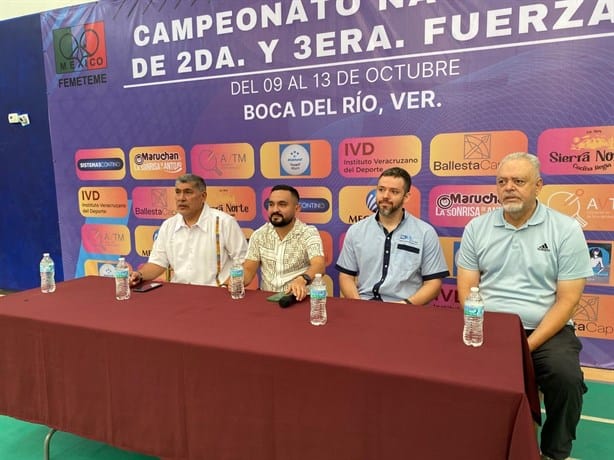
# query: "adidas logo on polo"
{"points": [[543, 247]]}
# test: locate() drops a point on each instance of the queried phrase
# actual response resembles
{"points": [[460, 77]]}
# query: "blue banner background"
{"points": [[530, 82]]}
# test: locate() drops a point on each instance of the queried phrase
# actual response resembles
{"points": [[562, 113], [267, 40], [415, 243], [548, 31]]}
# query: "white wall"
{"points": [[15, 8]]}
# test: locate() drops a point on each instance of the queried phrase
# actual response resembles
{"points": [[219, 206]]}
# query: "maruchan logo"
{"points": [[141, 158], [100, 164], [447, 201]]}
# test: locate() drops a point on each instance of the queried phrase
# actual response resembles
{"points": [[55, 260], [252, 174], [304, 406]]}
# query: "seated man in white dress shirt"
{"points": [[200, 243]]}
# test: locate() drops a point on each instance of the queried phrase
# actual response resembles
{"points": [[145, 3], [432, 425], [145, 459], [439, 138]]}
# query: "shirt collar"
{"points": [[199, 223], [293, 231], [405, 213], [538, 216]]}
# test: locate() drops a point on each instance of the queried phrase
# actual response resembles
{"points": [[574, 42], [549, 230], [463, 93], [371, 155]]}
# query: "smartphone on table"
{"points": [[145, 287]]}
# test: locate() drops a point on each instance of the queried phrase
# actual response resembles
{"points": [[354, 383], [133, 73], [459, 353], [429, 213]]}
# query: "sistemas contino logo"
{"points": [[80, 49]]}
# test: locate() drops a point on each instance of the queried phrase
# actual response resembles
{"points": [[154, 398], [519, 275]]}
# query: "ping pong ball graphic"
{"points": [[106, 270], [294, 159]]}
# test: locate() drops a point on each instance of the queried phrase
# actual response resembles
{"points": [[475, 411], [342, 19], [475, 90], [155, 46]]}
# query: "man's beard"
{"points": [[279, 223], [513, 208], [390, 210]]}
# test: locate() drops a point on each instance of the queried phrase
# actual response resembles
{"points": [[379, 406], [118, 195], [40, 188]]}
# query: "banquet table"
{"points": [[185, 372]]}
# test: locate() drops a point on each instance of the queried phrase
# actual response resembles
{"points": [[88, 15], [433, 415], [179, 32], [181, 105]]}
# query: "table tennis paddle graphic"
{"points": [[208, 161], [568, 203]]}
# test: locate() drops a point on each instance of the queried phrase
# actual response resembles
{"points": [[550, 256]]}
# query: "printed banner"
{"points": [[324, 96]]}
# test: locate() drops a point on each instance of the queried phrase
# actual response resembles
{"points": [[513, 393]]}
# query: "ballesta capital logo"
{"points": [[80, 48]]}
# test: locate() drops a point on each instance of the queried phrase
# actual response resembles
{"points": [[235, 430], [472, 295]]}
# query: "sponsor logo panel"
{"points": [[106, 239], [591, 205], [315, 202], [228, 161], [103, 201], [600, 253], [157, 162], [473, 154], [296, 159], [239, 202], [455, 206], [588, 150], [447, 297], [144, 237], [594, 316], [80, 48], [450, 247], [106, 268], [370, 156], [153, 202], [100, 164], [327, 244]]}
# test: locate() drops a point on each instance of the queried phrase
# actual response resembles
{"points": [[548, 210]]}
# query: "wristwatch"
{"points": [[306, 277]]}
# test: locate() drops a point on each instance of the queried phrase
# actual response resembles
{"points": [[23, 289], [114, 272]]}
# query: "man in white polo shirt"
{"points": [[533, 261]]}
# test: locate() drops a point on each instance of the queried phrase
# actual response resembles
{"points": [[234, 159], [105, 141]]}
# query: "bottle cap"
{"points": [[45, 254], [475, 289]]}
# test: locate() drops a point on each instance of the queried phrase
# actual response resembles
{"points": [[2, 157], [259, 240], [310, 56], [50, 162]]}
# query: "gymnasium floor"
{"points": [[595, 436]]}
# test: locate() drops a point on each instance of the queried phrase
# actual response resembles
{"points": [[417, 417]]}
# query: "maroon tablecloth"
{"points": [[184, 372]]}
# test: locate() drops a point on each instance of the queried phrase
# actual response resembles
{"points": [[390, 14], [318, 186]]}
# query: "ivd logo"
{"points": [[80, 48]]}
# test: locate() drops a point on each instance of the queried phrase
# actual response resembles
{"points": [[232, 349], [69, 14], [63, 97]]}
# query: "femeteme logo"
{"points": [[80, 48]]}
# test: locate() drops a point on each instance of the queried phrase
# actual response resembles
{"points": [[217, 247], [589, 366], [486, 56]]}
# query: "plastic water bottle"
{"points": [[473, 332], [47, 269], [237, 288], [318, 301], [122, 282]]}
